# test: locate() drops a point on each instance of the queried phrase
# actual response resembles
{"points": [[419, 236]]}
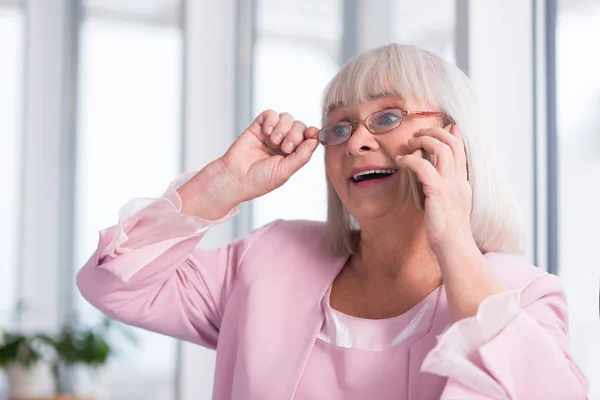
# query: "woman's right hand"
{"points": [[263, 158], [269, 152]]}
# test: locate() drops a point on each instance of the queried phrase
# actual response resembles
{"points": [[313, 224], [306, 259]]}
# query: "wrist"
{"points": [[211, 193], [459, 257], [455, 245], [468, 280]]}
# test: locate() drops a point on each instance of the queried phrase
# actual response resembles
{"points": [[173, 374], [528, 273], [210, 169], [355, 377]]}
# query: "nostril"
{"points": [[366, 148]]}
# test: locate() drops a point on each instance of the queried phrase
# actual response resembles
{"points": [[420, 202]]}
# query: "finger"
{"points": [[263, 124], [456, 144], [294, 137], [311, 133], [424, 170], [455, 131], [293, 162], [286, 120], [444, 159]]}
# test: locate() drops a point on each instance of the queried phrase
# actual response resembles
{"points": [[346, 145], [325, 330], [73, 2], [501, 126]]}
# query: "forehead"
{"points": [[371, 98], [371, 105]]}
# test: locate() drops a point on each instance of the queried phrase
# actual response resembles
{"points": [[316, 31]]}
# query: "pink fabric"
{"points": [[258, 302], [342, 330], [356, 359], [458, 347]]}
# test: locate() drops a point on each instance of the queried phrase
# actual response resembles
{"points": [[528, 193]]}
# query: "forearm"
{"points": [[158, 295], [467, 279], [522, 329]]}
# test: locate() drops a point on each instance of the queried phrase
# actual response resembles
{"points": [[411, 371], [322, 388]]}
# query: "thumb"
{"points": [[293, 162]]}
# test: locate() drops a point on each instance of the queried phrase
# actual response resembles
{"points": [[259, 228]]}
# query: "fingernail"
{"points": [[277, 138], [269, 130], [288, 146]]}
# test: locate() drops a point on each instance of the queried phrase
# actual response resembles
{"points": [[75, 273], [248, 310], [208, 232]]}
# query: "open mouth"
{"points": [[372, 175]]}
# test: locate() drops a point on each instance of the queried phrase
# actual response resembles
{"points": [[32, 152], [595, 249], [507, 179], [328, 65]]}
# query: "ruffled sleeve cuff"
{"points": [[155, 224], [456, 356]]}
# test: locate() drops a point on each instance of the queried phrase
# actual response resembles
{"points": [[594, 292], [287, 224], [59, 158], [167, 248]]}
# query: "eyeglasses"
{"points": [[379, 122]]}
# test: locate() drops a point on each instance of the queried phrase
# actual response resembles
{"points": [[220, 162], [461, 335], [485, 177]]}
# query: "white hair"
{"points": [[409, 72]]}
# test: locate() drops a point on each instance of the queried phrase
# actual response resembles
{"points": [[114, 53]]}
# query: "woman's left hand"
{"points": [[447, 191]]}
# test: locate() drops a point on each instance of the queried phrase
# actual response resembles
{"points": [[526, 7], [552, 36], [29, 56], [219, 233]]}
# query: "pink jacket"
{"points": [[257, 302]]}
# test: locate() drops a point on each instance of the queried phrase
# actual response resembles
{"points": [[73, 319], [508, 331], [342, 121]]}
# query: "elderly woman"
{"points": [[390, 298]]}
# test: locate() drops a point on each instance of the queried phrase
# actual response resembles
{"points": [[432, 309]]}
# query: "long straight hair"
{"points": [[409, 72]]}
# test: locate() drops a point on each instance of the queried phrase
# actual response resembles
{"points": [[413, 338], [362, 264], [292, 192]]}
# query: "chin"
{"points": [[374, 209], [369, 210]]}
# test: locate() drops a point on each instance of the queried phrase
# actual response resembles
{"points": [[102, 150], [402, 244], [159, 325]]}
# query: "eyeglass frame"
{"points": [[355, 124]]}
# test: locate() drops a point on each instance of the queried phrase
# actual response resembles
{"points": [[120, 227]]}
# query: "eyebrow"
{"points": [[341, 104]]}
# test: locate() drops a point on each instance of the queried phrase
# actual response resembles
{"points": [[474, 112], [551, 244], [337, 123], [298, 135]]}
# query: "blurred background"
{"points": [[103, 101]]}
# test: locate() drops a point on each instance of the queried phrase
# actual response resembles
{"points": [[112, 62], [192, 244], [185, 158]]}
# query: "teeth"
{"points": [[374, 171]]}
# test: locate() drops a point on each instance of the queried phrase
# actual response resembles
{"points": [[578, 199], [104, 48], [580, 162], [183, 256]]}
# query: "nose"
{"points": [[361, 141]]}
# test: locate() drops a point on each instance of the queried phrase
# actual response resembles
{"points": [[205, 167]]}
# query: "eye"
{"points": [[340, 130], [386, 118]]}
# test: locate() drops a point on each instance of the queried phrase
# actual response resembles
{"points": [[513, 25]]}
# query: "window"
{"points": [[129, 139], [578, 121], [11, 96], [296, 54], [429, 24]]}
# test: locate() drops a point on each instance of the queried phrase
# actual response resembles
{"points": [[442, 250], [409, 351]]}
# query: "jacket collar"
{"points": [[294, 304]]}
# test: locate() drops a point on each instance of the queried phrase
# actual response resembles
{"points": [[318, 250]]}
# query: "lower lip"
{"points": [[369, 183]]}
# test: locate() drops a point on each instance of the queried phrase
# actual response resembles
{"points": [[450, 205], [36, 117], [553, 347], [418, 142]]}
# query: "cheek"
{"points": [[397, 142], [396, 145]]}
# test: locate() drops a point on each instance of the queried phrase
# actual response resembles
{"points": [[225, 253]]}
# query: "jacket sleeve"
{"points": [[147, 271], [516, 347]]}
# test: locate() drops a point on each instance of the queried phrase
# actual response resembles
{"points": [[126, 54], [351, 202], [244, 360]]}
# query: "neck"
{"points": [[396, 253]]}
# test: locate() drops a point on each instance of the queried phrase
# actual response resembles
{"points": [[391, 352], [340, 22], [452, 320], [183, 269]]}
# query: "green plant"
{"points": [[16, 347], [75, 344], [21, 349]]}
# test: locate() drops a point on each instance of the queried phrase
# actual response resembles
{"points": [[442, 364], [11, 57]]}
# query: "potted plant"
{"points": [[23, 359], [74, 345]]}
